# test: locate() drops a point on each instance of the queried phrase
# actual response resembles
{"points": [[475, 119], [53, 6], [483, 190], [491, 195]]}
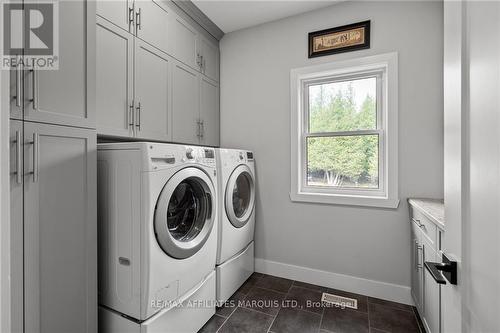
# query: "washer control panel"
{"points": [[207, 156], [168, 155]]}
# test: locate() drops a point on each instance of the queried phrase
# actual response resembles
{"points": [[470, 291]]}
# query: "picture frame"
{"points": [[341, 39]]}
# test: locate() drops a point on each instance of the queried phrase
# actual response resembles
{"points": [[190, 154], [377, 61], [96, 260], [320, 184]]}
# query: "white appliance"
{"points": [[157, 219], [235, 251]]}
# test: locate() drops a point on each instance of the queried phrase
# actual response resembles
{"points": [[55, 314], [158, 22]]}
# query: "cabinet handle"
{"points": [[36, 153], [138, 124], [19, 88], [203, 64], [131, 11], [415, 255], [138, 20], [131, 115], [198, 129], [19, 172], [199, 61], [202, 129], [34, 86], [417, 222], [421, 248]]}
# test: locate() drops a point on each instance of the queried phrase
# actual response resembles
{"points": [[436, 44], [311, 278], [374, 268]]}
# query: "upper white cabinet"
{"points": [[157, 74], [184, 38], [115, 80], [145, 19], [65, 96], [209, 58], [194, 48], [152, 23], [119, 12], [152, 93], [133, 87], [16, 92]]}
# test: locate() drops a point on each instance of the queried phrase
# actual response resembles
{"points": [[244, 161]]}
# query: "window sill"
{"points": [[348, 200]]}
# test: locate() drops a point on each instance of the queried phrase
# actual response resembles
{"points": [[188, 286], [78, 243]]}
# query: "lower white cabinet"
{"points": [[185, 104], [16, 224], [416, 266], [209, 112], [114, 80], [426, 292], [431, 291], [53, 190]]}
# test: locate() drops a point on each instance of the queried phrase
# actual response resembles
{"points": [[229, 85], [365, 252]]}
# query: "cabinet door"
{"points": [[16, 79], [119, 12], [16, 72], [210, 58], [431, 292], [114, 86], [66, 96], [152, 92], [209, 112], [185, 104], [416, 266], [183, 41], [16, 224], [60, 237], [153, 24]]}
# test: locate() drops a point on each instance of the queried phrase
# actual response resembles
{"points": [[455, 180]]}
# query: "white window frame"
{"points": [[385, 68]]}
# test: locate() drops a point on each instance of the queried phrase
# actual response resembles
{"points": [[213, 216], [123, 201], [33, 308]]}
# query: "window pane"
{"points": [[343, 161], [343, 106]]}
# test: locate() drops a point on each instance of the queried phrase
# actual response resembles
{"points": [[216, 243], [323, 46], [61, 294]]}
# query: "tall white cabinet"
{"points": [[59, 229], [53, 184], [157, 74]]}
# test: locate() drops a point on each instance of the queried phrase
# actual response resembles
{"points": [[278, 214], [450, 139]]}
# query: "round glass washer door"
{"points": [[185, 212], [240, 196]]}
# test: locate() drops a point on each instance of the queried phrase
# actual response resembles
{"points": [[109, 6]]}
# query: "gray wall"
{"points": [[255, 114]]}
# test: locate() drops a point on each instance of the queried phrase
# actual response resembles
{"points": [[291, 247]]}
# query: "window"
{"points": [[344, 132]]}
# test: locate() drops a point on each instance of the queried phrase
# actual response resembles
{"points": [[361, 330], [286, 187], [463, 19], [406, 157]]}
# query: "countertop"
{"points": [[431, 208]]}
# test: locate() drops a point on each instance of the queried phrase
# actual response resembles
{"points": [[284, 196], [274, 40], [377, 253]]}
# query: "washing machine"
{"points": [[235, 251], [157, 220]]}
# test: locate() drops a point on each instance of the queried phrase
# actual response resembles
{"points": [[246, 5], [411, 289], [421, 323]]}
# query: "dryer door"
{"points": [[240, 196], [185, 213]]}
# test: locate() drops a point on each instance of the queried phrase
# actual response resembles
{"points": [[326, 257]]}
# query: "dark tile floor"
{"points": [[267, 303]]}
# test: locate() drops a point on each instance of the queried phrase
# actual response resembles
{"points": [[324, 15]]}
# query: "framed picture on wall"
{"points": [[346, 38]]}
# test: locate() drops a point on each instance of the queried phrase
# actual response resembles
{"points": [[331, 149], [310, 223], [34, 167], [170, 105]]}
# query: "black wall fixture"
{"points": [[442, 271]]}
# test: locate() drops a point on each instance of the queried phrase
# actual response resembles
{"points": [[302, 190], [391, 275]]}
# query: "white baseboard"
{"points": [[387, 291]]}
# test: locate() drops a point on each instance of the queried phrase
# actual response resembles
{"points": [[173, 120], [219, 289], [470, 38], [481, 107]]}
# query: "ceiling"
{"points": [[232, 15]]}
